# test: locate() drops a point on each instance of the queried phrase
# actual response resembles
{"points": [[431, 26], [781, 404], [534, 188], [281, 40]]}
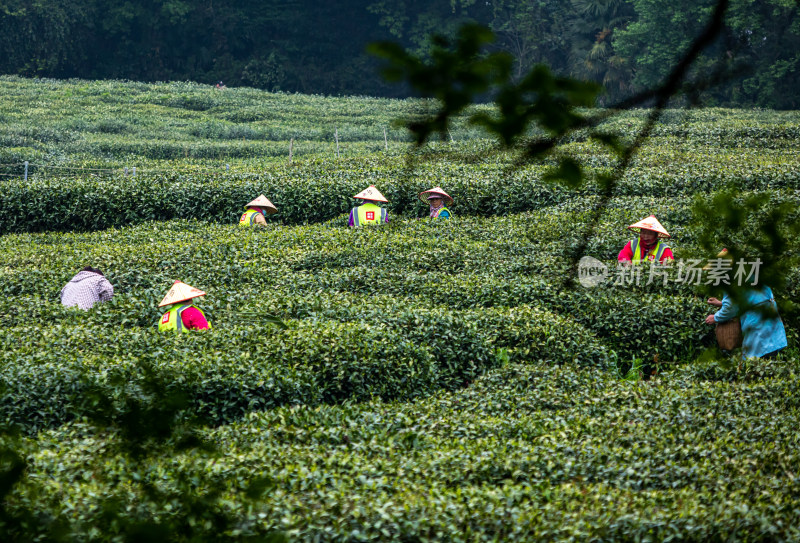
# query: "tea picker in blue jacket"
{"points": [[762, 328]]}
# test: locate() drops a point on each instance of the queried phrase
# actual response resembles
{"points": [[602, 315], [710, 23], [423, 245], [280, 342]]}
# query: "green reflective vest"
{"points": [[248, 217], [369, 214], [654, 254], [171, 320], [439, 211]]}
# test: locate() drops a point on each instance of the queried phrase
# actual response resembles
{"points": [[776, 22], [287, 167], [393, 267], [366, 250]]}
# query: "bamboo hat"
{"points": [[263, 201], [180, 292], [435, 192], [371, 193], [650, 223]]}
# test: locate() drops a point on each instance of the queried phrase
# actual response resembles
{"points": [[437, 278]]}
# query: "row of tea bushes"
{"points": [[526, 453], [237, 368], [318, 190], [311, 193], [191, 111], [329, 354], [630, 322], [456, 297], [163, 119], [341, 357]]}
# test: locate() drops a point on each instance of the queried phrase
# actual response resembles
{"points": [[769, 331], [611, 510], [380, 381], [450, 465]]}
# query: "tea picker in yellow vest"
{"points": [[437, 199], [256, 211], [369, 212], [183, 315], [649, 245]]}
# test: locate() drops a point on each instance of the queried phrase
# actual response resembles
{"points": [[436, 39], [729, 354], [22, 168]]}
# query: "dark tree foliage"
{"points": [[319, 47], [760, 39]]}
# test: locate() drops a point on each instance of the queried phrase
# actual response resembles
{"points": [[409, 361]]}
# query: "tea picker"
{"points": [[648, 245], [88, 287], [256, 212], [756, 325], [436, 199], [369, 213], [183, 315]]}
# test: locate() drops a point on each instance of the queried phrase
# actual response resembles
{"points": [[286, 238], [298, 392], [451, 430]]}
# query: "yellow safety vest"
{"points": [[249, 217], [369, 214], [654, 254], [171, 320]]}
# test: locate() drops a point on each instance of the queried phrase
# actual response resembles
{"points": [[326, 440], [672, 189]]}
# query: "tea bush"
{"points": [[436, 380], [525, 453], [236, 370], [414, 300], [314, 192], [195, 158]]}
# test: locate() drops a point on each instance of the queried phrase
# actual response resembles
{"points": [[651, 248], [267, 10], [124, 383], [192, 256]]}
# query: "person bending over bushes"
{"points": [[763, 334], [88, 287]]}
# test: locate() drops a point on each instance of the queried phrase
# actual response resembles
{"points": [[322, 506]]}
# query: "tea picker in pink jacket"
{"points": [[182, 315], [649, 245], [88, 287]]}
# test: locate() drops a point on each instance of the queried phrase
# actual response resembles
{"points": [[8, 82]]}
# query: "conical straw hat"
{"points": [[650, 223], [180, 292], [371, 193], [263, 201], [435, 191]]}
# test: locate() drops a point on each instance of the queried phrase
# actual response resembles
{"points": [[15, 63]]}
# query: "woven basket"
{"points": [[729, 334]]}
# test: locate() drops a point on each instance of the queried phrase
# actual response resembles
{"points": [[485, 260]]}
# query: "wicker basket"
{"points": [[729, 334]]}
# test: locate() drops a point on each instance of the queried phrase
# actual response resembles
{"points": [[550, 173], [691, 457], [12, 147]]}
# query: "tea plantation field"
{"points": [[435, 381]]}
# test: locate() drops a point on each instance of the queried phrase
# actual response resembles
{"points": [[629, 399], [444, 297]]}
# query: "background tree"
{"points": [[316, 47], [592, 56], [46, 38], [759, 39], [533, 33]]}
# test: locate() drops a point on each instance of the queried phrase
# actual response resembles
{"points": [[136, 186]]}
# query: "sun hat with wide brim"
{"points": [[435, 192], [371, 193], [263, 202], [650, 223], [180, 292]]}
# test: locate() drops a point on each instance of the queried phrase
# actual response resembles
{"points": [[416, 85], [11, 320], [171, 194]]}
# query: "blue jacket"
{"points": [[763, 332]]}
